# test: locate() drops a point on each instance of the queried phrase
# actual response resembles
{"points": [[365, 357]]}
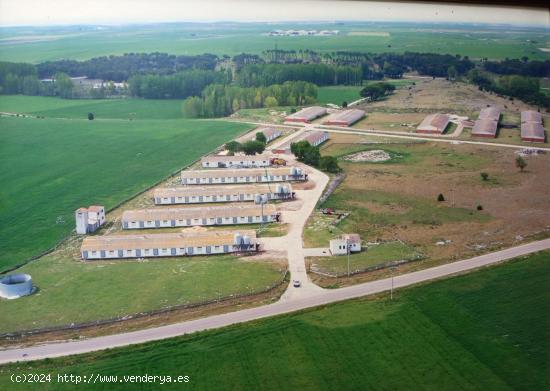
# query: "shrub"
{"points": [[440, 197], [479, 207], [484, 176], [261, 137], [91, 116]]}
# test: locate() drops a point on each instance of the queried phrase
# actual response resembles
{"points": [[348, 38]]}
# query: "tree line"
{"points": [[522, 67], [255, 75], [121, 68], [515, 86], [177, 86], [219, 100]]}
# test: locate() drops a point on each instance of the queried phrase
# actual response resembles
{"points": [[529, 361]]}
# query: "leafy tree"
{"points": [[63, 85], [329, 164], [260, 136], [306, 153], [484, 176], [192, 107], [479, 207], [233, 146], [452, 73], [270, 101], [344, 104], [521, 163], [253, 147], [90, 116], [440, 197], [376, 91]]}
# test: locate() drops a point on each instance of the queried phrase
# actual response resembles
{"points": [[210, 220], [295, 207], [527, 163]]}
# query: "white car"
{"points": [[296, 283]]}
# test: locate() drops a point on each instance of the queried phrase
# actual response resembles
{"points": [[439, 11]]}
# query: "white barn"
{"points": [[340, 245], [237, 161], [168, 244], [199, 216], [250, 175], [228, 193]]}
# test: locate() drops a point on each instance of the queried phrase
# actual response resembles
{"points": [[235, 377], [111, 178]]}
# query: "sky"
{"points": [[63, 12]]}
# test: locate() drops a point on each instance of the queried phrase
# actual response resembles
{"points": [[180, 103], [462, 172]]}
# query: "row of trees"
{"points": [[309, 154], [522, 67], [219, 100], [430, 64], [514, 86], [177, 86], [376, 91], [250, 147], [121, 68], [255, 75]]}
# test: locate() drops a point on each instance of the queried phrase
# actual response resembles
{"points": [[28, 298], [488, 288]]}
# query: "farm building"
{"points": [[434, 124], [246, 175], [532, 131], [491, 113], [314, 137], [269, 133], [306, 115], [340, 245], [199, 216], [168, 244], [90, 219], [531, 126], [205, 194], [486, 127], [237, 161], [345, 117], [531, 116]]}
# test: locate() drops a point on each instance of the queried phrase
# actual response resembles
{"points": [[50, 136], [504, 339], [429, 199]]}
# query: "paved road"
{"points": [[281, 307]]}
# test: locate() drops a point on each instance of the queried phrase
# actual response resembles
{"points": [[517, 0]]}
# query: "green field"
{"points": [[338, 94], [488, 330], [375, 255], [53, 166], [50, 107], [74, 292], [234, 38]]}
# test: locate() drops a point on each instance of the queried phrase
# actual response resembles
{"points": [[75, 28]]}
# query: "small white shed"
{"points": [[340, 245]]}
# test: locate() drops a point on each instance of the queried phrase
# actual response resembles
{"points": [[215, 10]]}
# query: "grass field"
{"points": [[374, 255], [483, 331], [50, 107], [74, 292], [56, 165], [338, 94], [232, 38]]}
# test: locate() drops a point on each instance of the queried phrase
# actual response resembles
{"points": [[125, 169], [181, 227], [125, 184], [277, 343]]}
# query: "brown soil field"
{"points": [[398, 199]]}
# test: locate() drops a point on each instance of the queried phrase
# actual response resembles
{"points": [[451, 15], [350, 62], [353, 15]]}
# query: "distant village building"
{"points": [[345, 117], [487, 123], [90, 219], [339, 246], [532, 129], [199, 216], [434, 124], [306, 115], [237, 193], [245, 175], [168, 244], [237, 161]]}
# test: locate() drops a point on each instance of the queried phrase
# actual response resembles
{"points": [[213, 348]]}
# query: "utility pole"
{"points": [[391, 290]]}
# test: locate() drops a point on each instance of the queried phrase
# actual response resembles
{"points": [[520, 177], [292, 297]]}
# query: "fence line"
{"points": [[139, 315]]}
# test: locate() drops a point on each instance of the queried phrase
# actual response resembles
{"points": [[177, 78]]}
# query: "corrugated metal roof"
{"points": [[308, 113], [268, 133], [190, 191], [348, 116], [313, 136], [167, 240], [490, 113], [197, 212], [531, 116], [242, 172], [434, 123], [485, 127], [532, 130]]}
